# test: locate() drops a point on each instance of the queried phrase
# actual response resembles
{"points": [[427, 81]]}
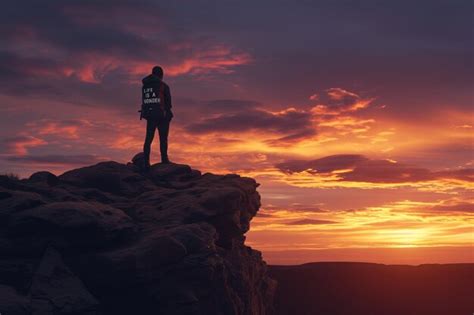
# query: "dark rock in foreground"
{"points": [[108, 239], [340, 288]]}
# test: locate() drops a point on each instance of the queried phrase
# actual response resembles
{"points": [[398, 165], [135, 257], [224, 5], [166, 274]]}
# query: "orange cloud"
{"points": [[218, 59], [19, 145], [339, 94], [68, 129], [336, 101]]}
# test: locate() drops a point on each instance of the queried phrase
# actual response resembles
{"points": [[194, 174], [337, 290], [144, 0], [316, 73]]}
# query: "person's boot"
{"points": [[146, 165], [165, 160]]}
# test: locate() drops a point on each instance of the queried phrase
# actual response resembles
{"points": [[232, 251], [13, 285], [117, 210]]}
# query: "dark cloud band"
{"points": [[358, 168]]}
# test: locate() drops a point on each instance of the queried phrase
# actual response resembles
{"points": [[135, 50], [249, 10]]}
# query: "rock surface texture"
{"points": [[108, 239]]}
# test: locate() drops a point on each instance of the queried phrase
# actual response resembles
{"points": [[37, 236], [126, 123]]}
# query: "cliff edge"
{"points": [[108, 239]]}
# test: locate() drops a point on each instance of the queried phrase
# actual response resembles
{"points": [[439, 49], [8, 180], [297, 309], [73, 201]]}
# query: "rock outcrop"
{"points": [[109, 239]]}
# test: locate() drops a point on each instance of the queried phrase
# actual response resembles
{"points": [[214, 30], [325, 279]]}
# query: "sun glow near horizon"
{"points": [[391, 226]]}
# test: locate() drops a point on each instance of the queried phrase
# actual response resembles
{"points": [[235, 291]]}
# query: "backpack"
{"points": [[153, 101]]}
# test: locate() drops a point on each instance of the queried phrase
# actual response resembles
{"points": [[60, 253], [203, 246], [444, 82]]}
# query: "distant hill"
{"points": [[364, 288]]}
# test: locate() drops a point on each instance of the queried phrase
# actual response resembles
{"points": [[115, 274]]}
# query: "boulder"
{"points": [[56, 290], [13, 303], [85, 223], [139, 161], [13, 201], [110, 177], [44, 177]]}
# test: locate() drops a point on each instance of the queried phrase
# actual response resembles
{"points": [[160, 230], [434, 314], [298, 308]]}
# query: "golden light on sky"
{"points": [[363, 144], [400, 225]]}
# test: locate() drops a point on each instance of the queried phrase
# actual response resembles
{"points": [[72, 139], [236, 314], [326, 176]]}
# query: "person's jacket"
{"points": [[154, 81]]}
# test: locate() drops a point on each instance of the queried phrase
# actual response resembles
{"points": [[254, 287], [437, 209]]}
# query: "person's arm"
{"points": [[168, 97]]}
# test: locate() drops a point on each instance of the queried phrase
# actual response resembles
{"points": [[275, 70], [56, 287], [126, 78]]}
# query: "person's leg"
{"points": [[163, 130], [150, 134]]}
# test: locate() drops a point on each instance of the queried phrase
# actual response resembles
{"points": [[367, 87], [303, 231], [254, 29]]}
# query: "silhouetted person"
{"points": [[156, 109]]}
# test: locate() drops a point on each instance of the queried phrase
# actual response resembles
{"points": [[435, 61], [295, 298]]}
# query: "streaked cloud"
{"points": [[457, 206], [337, 100], [310, 222], [63, 160], [20, 145], [358, 168], [68, 129]]}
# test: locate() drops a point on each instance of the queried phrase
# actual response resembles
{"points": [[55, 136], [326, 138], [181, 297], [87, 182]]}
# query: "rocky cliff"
{"points": [[108, 239]]}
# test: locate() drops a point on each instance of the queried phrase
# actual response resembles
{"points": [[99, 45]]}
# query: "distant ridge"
{"points": [[359, 288]]}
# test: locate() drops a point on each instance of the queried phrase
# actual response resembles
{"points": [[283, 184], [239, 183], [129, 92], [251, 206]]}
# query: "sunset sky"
{"points": [[357, 119]]}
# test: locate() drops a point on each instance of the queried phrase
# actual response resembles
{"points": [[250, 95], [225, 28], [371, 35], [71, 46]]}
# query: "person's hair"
{"points": [[158, 71]]}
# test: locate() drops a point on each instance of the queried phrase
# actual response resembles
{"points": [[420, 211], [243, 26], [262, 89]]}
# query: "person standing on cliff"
{"points": [[156, 109]]}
